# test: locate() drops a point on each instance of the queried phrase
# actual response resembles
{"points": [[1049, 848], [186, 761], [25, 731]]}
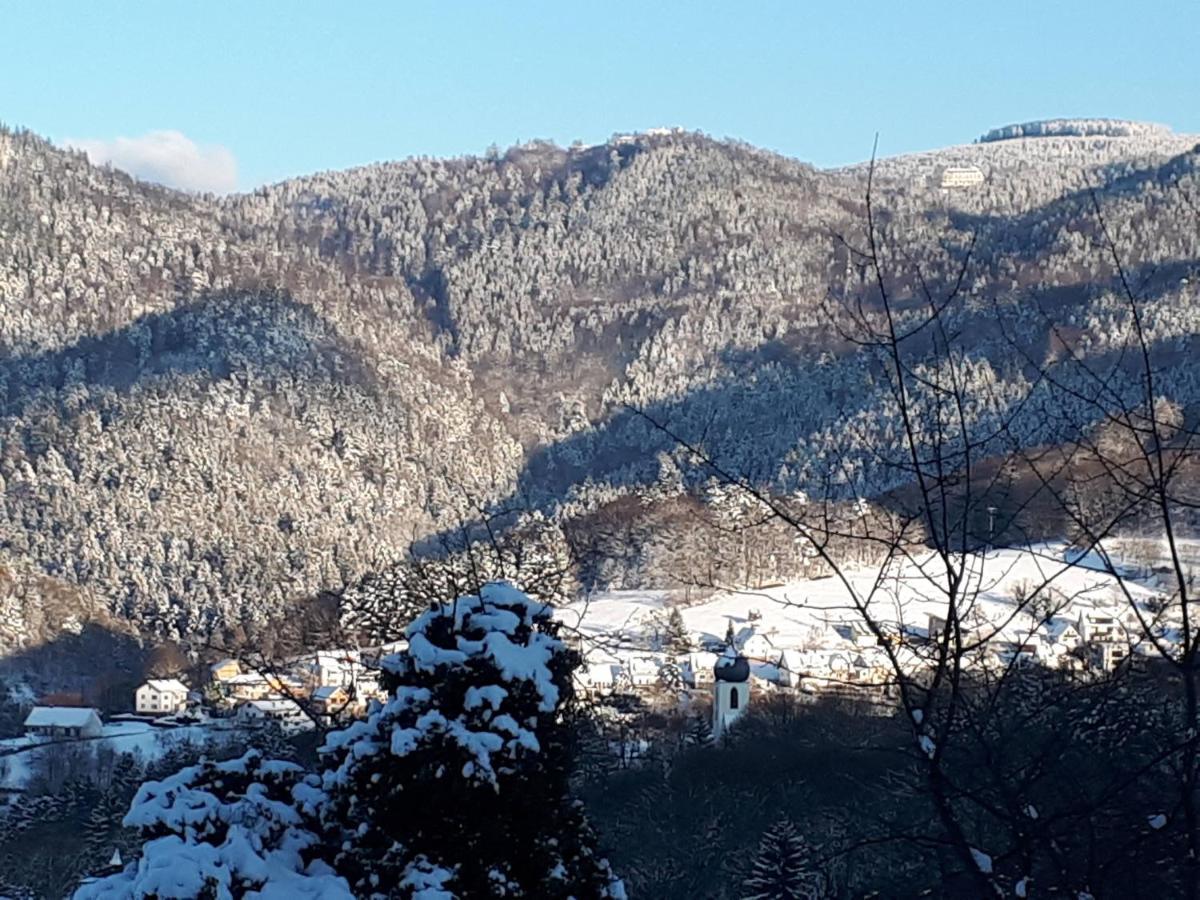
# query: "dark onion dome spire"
{"points": [[731, 666]]}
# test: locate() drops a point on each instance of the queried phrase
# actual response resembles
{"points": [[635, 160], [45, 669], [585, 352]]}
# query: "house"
{"points": [[161, 696], [596, 677], [286, 713], [247, 686], [793, 666], [1062, 634], [935, 626], [1016, 652], [870, 666], [1100, 625], [257, 686], [225, 670], [697, 669], [331, 699], [63, 722], [640, 673], [367, 686], [758, 646], [329, 668], [1108, 655], [854, 631]]}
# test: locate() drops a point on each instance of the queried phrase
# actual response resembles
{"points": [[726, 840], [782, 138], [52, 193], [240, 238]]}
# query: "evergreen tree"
{"points": [[472, 797], [104, 830], [669, 676], [272, 742], [676, 638], [245, 826], [780, 869], [699, 731]]}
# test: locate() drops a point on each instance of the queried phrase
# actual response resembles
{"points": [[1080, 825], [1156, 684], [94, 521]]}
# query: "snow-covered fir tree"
{"points": [[676, 637], [460, 781], [699, 731], [780, 869], [244, 827]]}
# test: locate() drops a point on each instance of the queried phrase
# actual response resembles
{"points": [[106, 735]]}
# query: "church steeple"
{"points": [[731, 688]]}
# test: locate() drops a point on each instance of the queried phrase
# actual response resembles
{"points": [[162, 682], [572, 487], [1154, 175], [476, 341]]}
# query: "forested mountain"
{"points": [[212, 406]]}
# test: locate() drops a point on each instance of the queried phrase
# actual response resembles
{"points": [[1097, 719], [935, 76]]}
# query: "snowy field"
{"points": [[808, 614], [19, 757]]}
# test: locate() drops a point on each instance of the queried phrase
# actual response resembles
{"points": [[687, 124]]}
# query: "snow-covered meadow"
{"points": [[826, 613], [21, 758]]}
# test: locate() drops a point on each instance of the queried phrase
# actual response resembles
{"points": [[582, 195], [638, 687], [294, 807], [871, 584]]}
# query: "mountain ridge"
{"points": [[499, 313]]}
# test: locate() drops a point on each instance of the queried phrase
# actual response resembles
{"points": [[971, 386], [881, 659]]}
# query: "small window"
{"points": [[733, 699]]}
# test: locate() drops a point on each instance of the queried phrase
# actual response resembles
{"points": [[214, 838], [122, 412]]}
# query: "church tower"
{"points": [[731, 691]]}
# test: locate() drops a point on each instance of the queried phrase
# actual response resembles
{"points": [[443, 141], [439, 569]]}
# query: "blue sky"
{"points": [[262, 90]]}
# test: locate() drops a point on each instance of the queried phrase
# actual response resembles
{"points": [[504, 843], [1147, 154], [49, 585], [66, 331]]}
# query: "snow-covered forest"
{"points": [[214, 406]]}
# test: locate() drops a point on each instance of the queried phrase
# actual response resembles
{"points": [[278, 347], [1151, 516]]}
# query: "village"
{"points": [[802, 637], [323, 687], [1039, 606]]}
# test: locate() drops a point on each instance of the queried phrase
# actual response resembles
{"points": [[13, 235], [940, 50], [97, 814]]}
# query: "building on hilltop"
{"points": [[956, 177]]}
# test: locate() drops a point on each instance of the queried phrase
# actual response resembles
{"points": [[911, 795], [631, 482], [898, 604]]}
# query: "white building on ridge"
{"points": [[954, 177]]}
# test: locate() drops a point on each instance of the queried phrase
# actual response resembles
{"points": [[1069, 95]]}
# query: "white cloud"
{"points": [[166, 157]]}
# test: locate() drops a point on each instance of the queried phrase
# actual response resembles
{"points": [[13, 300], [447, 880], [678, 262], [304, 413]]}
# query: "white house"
{"points": [[697, 668], [1024, 651], [793, 666], [332, 699], [161, 696], [853, 631], [1107, 655], [1062, 634], [63, 722], [329, 668], [1100, 625], [258, 712], [596, 677], [248, 686], [758, 646], [640, 672]]}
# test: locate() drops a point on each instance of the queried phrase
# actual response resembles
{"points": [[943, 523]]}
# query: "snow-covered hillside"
{"points": [[820, 615]]}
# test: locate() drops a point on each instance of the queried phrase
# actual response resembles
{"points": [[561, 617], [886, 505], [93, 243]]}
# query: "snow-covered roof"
{"points": [[61, 717], [1058, 626], [223, 663], [642, 664], [793, 660], [248, 678], [274, 707], [167, 685]]}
